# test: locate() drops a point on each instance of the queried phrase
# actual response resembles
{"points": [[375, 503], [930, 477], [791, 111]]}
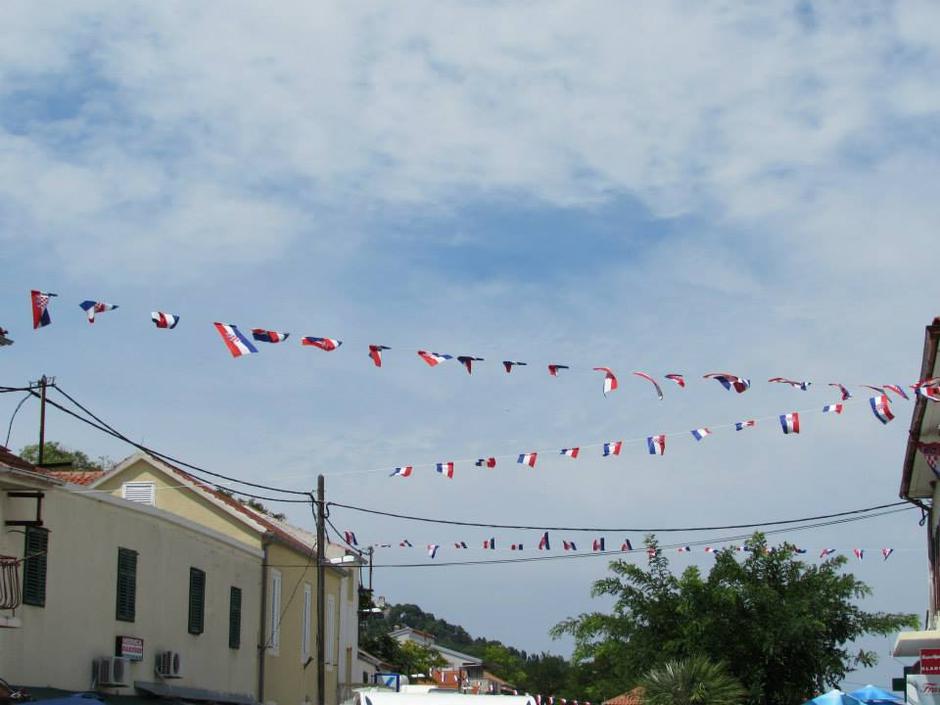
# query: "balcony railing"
{"points": [[10, 597]]}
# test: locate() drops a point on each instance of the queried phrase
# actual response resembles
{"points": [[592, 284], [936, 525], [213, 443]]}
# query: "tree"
{"points": [[692, 681], [782, 625], [54, 452], [418, 659]]}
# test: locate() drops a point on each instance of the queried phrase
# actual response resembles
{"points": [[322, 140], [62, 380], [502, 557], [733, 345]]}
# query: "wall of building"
{"points": [[57, 643]]}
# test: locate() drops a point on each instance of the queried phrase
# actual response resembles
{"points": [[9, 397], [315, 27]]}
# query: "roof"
{"points": [[77, 477], [916, 476], [15, 463], [467, 659], [631, 697]]}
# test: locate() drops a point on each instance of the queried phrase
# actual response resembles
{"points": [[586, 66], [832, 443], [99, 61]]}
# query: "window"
{"points": [[329, 636], [34, 566], [305, 624], [274, 617], [142, 492], [197, 601], [126, 609], [235, 618]]}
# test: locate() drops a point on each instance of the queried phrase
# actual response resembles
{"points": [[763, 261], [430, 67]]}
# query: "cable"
{"points": [[453, 522], [117, 434], [6, 443]]}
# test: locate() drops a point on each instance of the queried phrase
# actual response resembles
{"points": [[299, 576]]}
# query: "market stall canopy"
{"points": [[834, 697], [870, 695]]}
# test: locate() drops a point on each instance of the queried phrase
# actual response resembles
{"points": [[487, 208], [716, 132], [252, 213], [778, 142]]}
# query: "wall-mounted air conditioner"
{"points": [[169, 664], [112, 671]]}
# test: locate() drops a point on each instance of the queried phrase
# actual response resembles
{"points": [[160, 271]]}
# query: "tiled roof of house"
{"points": [[77, 477], [14, 461], [631, 697]]}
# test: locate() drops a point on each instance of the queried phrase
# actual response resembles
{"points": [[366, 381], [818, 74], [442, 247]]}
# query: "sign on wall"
{"points": [[129, 647], [923, 690]]}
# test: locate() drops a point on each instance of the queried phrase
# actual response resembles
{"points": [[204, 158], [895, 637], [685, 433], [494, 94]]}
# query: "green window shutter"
{"points": [[235, 618], [126, 585], [34, 566], [197, 600]]}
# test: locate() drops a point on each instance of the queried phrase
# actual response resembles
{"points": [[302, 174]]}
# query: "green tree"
{"points": [[691, 681], [417, 659], [782, 625], [54, 452]]}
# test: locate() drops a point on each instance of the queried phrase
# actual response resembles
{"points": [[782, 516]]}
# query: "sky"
{"points": [[659, 186]]}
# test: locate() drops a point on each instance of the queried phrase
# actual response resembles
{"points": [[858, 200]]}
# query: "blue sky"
{"points": [[663, 186]]}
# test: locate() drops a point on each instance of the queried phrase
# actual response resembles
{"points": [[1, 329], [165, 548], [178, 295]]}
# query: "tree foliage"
{"points": [[55, 452], [782, 625], [691, 681]]}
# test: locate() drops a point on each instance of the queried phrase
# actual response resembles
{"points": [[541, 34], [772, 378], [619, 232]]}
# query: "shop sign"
{"points": [[130, 647]]}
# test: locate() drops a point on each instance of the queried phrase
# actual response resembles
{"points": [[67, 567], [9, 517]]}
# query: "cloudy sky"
{"points": [[662, 186]]}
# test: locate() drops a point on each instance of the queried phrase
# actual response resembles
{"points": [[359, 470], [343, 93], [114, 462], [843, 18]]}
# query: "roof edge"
{"points": [[929, 361]]}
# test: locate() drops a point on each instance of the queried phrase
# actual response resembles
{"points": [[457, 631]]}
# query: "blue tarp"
{"points": [[870, 695]]}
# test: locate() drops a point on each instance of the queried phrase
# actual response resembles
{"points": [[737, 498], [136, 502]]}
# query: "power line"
{"points": [[542, 527]]}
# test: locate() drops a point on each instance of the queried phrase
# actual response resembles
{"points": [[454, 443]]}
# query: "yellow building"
{"points": [[287, 673], [98, 592]]}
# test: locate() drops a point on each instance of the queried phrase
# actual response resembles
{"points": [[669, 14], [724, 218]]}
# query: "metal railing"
{"points": [[10, 597]]}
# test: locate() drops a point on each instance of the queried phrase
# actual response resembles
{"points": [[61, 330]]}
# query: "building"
{"points": [[88, 577], [287, 671], [919, 486]]}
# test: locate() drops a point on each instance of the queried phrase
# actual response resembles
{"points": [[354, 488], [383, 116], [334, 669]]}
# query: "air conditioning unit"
{"points": [[112, 671], [169, 664]]}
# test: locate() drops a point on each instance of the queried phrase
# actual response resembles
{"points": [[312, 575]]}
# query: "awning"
{"points": [[179, 692], [910, 643]]}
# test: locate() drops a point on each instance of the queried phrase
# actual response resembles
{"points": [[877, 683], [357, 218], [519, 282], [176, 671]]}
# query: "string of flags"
{"points": [[599, 545]]}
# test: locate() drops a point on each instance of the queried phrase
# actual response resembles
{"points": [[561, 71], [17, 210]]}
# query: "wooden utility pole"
{"points": [[321, 588], [42, 418]]}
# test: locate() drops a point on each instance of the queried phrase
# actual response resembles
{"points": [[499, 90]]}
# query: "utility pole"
{"points": [[43, 381], [321, 588]]}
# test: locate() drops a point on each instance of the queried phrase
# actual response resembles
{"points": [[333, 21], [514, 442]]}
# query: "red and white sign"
{"points": [[129, 647], [930, 661]]}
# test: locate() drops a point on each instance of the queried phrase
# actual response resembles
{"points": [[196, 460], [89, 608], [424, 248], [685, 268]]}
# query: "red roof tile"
{"points": [[77, 477], [12, 460]]}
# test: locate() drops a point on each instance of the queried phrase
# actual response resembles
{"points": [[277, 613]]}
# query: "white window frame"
{"points": [[329, 632], [134, 487], [305, 624], [274, 613]]}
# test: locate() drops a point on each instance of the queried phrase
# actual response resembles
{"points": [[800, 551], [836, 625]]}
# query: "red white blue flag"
{"points": [[730, 381], [792, 382], [928, 391], [40, 304], [553, 369], [627, 545], [235, 340], [612, 448], [881, 408], [528, 459], [677, 378], [94, 307], [516, 547], [570, 452], [569, 545], [375, 352], [712, 549], [598, 544], [350, 538], [509, 364], [489, 544], [656, 444], [700, 433], [741, 425], [405, 543], [826, 552], [434, 359], [403, 471], [164, 320], [846, 394], [684, 549], [486, 462], [859, 553], [467, 361], [897, 389], [433, 548], [648, 378], [327, 344], [886, 553], [446, 469], [790, 423], [833, 408], [544, 544], [268, 336], [460, 544], [610, 380]]}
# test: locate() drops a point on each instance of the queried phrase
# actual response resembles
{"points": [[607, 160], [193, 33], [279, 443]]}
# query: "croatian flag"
{"points": [[612, 448], [859, 553], [712, 549], [928, 391], [489, 544], [886, 553], [790, 423], [164, 320], [833, 408], [405, 543], [569, 545], [741, 425], [846, 394], [881, 408], [403, 471], [375, 352], [678, 379], [700, 433], [553, 369], [40, 304], [896, 388], [792, 382], [570, 452], [528, 459], [544, 544], [515, 547], [434, 359], [509, 364], [626, 545], [610, 381], [350, 538], [730, 381], [486, 462], [656, 444], [652, 552], [826, 552], [799, 550], [460, 544], [467, 361], [93, 307], [432, 550], [684, 549], [446, 469], [235, 340], [598, 544], [268, 336], [327, 344]]}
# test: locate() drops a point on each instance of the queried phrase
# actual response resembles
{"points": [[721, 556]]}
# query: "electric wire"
{"points": [[6, 443], [454, 522]]}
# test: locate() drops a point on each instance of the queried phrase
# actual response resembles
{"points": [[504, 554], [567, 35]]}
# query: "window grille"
{"points": [[9, 583]]}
